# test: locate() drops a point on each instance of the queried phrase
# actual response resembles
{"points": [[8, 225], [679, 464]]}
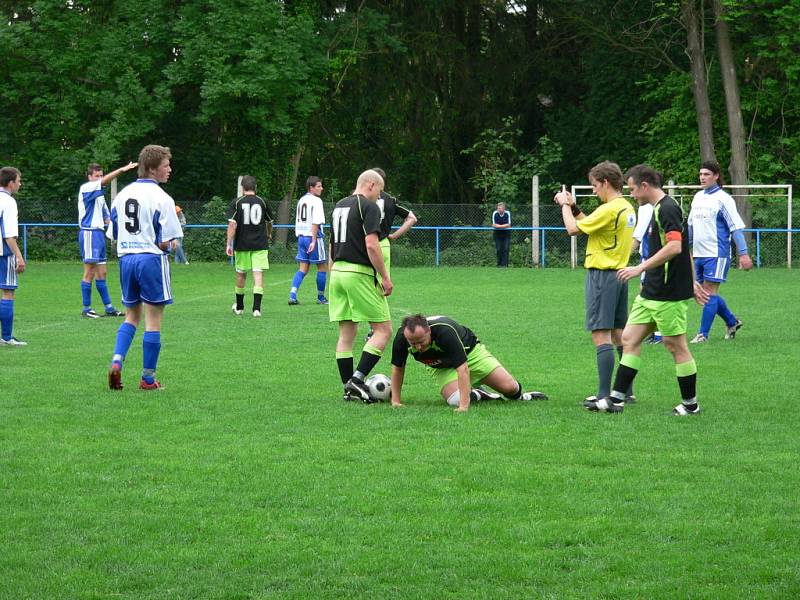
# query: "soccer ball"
{"points": [[380, 387]]}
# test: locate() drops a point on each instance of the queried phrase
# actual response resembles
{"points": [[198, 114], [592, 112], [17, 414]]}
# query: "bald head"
{"points": [[369, 184]]}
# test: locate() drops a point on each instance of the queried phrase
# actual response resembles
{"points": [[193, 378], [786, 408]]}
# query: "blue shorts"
{"points": [[712, 269], [145, 278], [92, 244], [318, 256], [8, 272]]}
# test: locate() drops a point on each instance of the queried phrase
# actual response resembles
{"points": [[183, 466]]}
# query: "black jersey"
{"points": [[450, 344], [389, 210], [673, 280], [353, 219], [251, 215]]}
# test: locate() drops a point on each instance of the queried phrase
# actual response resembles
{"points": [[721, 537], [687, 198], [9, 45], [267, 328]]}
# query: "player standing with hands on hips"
{"points": [[145, 226], [359, 283]]}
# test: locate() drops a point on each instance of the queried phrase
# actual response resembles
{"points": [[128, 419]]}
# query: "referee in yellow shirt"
{"points": [[610, 232]]}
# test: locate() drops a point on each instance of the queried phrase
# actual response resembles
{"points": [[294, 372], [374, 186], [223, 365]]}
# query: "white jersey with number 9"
{"points": [[142, 216]]}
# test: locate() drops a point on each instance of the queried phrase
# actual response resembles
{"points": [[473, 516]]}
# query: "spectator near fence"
{"points": [[501, 223]]}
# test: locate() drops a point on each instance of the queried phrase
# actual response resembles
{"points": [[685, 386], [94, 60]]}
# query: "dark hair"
{"points": [[411, 322], [8, 174], [607, 171], [714, 167], [312, 181], [644, 173], [249, 183], [93, 168], [380, 172], [150, 158]]}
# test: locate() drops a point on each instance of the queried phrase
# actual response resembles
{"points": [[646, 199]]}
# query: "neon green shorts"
{"points": [[669, 316], [251, 260], [480, 363], [355, 295], [386, 248]]}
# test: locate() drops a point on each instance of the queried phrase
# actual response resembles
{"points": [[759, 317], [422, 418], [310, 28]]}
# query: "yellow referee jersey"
{"points": [[610, 230]]}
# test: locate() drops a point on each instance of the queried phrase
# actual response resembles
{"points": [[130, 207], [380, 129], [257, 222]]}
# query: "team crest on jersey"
{"points": [[631, 220]]}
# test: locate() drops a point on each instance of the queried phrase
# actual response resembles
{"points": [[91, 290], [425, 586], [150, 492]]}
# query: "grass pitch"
{"points": [[248, 477]]}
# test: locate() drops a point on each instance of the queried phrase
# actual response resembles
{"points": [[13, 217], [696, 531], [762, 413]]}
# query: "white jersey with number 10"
{"points": [[309, 212], [142, 216]]}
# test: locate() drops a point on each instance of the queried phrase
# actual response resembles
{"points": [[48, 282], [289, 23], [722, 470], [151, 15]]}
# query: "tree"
{"points": [[692, 20], [738, 164]]}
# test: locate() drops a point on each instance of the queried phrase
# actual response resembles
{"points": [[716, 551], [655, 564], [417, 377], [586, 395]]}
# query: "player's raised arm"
{"points": [[117, 172]]}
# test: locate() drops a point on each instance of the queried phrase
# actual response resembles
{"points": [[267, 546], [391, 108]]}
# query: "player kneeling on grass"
{"points": [[145, 226], [456, 360]]}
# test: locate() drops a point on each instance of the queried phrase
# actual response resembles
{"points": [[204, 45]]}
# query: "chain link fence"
{"points": [[445, 235]]}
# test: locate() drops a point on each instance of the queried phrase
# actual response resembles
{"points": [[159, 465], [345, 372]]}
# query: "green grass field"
{"points": [[248, 477]]}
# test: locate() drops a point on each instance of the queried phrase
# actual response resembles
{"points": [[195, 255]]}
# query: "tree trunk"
{"points": [[284, 209], [738, 167], [694, 48]]}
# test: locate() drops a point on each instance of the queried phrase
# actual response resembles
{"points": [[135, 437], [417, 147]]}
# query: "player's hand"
{"points": [[398, 405], [745, 262], [461, 409], [130, 165], [629, 273], [701, 296], [563, 198], [20, 264], [387, 286], [229, 250], [312, 245]]}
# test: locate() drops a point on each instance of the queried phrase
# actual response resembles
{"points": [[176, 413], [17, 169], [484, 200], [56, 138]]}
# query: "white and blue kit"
{"points": [[92, 217], [310, 212], [9, 227], [142, 216], [713, 220]]}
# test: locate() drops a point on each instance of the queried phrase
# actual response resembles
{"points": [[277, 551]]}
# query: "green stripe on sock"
{"points": [[239, 291], [370, 349], [685, 369], [344, 355], [631, 360], [257, 290]]}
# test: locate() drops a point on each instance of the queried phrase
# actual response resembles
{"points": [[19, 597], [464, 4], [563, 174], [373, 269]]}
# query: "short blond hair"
{"points": [[150, 158], [369, 176]]}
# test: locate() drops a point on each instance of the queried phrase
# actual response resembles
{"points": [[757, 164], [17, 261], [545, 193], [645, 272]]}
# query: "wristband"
{"points": [[576, 210]]}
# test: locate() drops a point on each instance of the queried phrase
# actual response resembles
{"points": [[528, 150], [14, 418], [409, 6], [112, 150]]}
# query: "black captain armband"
{"points": [[576, 210]]}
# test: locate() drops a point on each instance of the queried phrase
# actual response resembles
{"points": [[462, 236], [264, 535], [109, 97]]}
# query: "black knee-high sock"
{"points": [[629, 391], [369, 358], [344, 361]]}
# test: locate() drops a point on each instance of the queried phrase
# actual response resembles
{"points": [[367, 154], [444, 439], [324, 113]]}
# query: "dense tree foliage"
{"points": [[458, 100]]}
